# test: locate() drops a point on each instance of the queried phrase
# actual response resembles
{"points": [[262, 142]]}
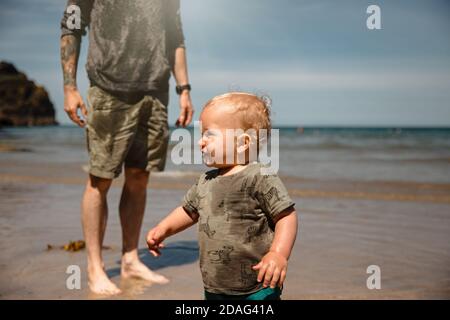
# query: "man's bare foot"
{"points": [[136, 269], [99, 283]]}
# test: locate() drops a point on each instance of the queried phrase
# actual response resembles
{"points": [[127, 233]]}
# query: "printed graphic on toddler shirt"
{"points": [[205, 227], [221, 256]]}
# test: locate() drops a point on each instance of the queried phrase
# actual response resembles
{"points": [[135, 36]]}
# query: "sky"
{"points": [[316, 59]]}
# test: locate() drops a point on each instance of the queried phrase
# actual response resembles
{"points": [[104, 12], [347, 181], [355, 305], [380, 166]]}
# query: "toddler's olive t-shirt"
{"points": [[235, 226]]}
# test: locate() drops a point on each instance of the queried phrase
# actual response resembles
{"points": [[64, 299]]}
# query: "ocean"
{"points": [[361, 154]]}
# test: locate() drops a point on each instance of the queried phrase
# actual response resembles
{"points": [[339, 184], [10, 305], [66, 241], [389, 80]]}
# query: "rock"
{"points": [[22, 102]]}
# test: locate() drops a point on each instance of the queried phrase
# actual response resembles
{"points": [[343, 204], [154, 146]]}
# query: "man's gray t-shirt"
{"points": [[131, 43], [236, 225]]}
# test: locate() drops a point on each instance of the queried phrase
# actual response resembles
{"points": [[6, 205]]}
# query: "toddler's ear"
{"points": [[243, 143]]}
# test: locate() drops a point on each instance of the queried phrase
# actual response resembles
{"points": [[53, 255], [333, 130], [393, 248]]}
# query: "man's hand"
{"points": [[155, 238], [72, 102], [272, 269], [186, 109]]}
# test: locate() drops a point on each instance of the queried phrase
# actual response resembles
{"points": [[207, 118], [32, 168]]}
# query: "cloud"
{"points": [[295, 79]]}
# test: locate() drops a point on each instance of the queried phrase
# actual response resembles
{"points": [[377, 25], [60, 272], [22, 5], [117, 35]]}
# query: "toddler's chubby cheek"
{"points": [[212, 158]]}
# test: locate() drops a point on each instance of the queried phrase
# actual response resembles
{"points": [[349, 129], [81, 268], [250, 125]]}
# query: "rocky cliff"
{"points": [[22, 102]]}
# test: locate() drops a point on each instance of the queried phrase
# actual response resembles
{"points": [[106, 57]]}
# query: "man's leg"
{"points": [[132, 207], [94, 217]]}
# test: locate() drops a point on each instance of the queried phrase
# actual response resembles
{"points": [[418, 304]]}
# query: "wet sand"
{"points": [[345, 226]]}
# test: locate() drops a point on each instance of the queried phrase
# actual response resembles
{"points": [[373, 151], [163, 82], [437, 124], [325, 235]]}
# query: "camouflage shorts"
{"points": [[126, 129]]}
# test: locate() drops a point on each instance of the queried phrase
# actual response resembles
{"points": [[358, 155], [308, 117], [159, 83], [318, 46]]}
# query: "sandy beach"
{"points": [[346, 225]]}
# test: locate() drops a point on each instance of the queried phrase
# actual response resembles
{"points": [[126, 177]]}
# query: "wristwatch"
{"points": [[180, 89]]}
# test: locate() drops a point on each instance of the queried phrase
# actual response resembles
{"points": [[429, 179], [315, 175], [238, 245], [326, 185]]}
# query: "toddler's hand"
{"points": [[272, 268], [154, 241]]}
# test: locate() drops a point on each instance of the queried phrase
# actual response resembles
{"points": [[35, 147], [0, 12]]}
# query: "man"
{"points": [[133, 48]]}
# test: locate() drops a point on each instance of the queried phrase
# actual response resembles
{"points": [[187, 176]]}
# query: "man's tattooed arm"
{"points": [[70, 51]]}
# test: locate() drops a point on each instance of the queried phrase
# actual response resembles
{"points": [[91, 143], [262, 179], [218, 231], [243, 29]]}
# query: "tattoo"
{"points": [[70, 50]]}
